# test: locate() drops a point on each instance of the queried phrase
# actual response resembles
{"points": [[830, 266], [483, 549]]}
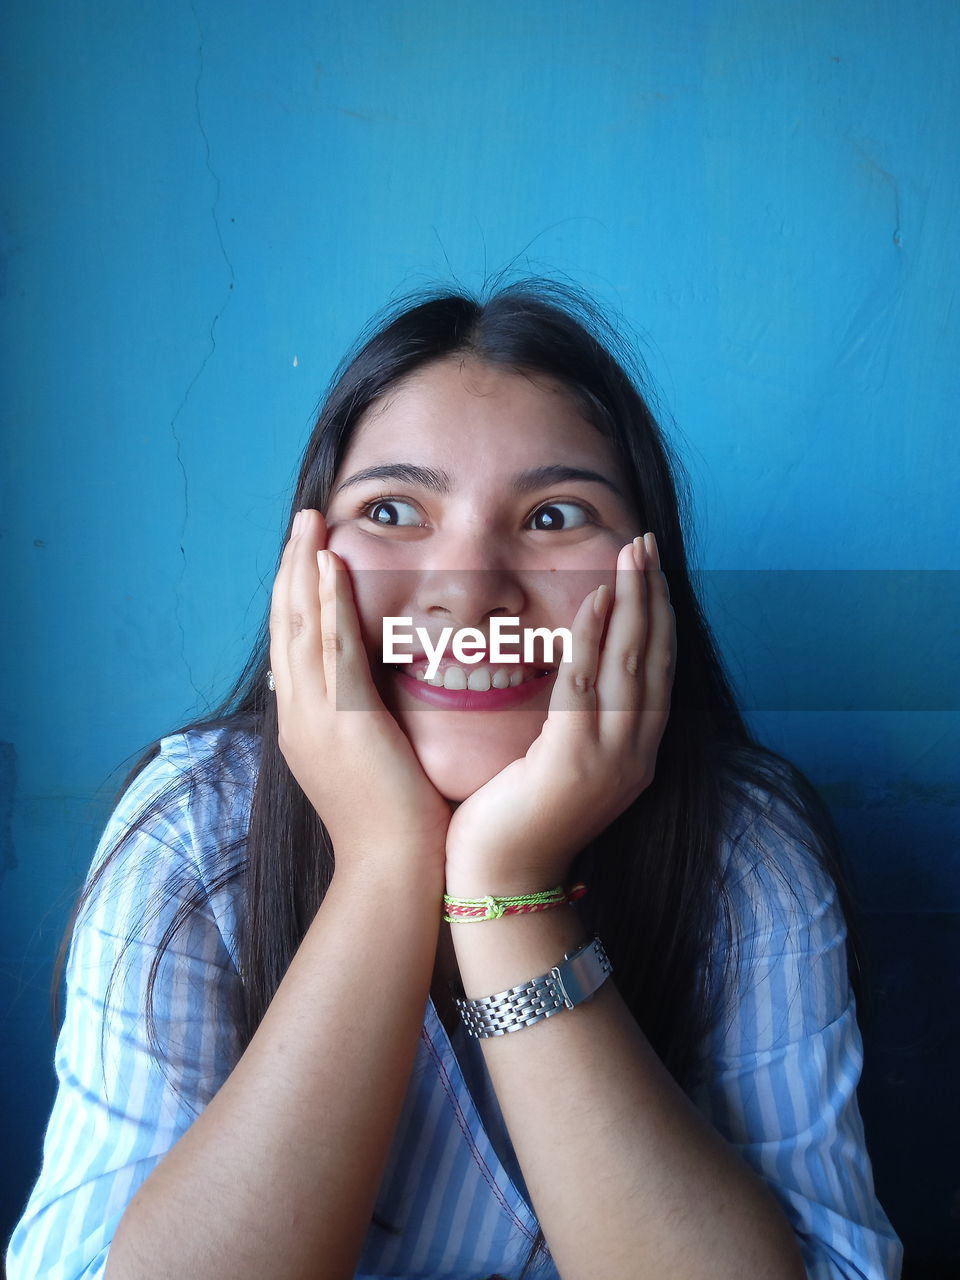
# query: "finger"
{"points": [[280, 611], [572, 713], [300, 616], [621, 676], [660, 658], [345, 663]]}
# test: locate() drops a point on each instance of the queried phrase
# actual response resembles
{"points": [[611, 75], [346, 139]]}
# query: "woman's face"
{"points": [[459, 500]]}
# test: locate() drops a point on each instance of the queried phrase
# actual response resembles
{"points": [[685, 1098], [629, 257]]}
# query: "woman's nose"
{"points": [[469, 583]]}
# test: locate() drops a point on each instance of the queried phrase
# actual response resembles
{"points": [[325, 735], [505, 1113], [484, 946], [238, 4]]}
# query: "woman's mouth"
{"points": [[482, 687]]}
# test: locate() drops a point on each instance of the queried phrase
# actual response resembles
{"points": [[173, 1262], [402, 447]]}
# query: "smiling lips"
{"points": [[481, 688]]}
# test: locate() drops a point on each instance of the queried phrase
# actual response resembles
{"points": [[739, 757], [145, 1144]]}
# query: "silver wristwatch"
{"points": [[568, 984]]}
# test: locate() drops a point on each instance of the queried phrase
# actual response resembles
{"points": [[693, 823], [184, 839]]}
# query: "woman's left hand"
{"points": [[596, 752]]}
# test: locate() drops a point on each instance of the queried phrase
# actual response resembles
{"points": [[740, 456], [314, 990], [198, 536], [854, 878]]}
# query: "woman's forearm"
{"points": [[626, 1177], [277, 1177]]}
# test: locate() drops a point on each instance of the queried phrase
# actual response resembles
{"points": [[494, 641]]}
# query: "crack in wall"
{"points": [[208, 355], [891, 180]]}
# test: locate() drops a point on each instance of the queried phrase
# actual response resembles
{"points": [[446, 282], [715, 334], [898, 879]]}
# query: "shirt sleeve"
{"points": [[121, 1105], [784, 1058]]}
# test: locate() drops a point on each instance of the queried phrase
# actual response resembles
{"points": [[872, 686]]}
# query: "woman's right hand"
{"points": [[354, 762]]}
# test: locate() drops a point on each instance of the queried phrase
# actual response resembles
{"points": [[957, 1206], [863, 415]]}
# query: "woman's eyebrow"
{"points": [[439, 481], [541, 477], [404, 472]]}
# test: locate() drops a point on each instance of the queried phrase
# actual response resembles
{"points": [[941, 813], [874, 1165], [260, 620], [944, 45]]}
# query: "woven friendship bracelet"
{"points": [[473, 910]]}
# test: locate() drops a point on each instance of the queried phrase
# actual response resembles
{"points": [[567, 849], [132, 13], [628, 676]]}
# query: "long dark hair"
{"points": [[656, 892]]}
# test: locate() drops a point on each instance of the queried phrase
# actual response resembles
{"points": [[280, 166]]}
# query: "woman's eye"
{"points": [[389, 512], [559, 515]]}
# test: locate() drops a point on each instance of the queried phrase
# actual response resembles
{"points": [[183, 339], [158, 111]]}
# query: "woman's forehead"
{"points": [[457, 401]]}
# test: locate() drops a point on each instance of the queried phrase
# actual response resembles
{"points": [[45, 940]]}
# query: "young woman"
{"points": [[335, 1007]]}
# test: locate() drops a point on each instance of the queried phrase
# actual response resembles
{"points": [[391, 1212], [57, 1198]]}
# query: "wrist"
{"points": [[498, 954], [480, 878], [397, 875]]}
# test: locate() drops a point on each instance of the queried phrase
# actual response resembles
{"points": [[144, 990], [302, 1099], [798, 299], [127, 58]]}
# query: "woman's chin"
{"points": [[459, 766]]}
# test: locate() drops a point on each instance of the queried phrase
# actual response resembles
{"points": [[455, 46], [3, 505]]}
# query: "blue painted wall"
{"points": [[204, 202]]}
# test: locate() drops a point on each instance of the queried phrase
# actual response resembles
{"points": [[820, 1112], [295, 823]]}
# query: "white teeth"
{"points": [[477, 679]]}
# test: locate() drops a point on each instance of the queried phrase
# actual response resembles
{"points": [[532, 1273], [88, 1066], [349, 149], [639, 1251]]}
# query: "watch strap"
{"points": [[581, 973]]}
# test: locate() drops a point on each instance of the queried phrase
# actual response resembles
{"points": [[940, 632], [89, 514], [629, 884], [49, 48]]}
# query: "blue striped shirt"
{"points": [[781, 1063]]}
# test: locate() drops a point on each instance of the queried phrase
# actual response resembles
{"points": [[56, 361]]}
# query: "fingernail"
{"points": [[324, 563], [639, 554], [601, 599], [295, 527], [650, 542]]}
